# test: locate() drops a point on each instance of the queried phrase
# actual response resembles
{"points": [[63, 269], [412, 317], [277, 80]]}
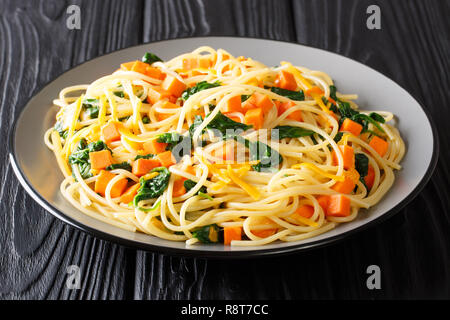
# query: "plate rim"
{"points": [[199, 253]]}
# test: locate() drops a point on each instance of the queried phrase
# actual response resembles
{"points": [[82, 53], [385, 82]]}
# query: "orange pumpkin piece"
{"points": [[226, 152], [233, 105], [286, 80], [323, 202], [351, 126], [154, 147], [191, 170], [190, 63], [167, 159], [258, 100], [352, 174], [370, 177], [174, 86], [348, 155], [234, 118], [130, 193], [143, 166], [127, 66], [166, 105], [338, 206], [254, 117], [314, 91], [345, 186], [139, 66], [110, 133], [231, 233], [102, 182], [365, 137], [330, 99], [178, 188], [264, 233], [144, 68], [305, 211], [154, 72], [100, 159], [156, 94], [204, 62], [379, 145], [194, 73], [284, 106]]}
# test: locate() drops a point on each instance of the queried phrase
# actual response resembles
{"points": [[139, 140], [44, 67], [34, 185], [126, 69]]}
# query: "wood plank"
{"points": [[36, 248]]}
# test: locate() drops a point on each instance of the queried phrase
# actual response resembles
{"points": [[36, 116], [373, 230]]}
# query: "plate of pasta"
{"points": [[222, 147]]}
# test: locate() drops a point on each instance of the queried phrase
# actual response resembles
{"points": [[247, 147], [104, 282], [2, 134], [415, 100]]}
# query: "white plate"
{"points": [[37, 171]]}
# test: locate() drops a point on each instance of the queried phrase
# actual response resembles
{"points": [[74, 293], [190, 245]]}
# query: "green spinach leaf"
{"points": [[119, 94], [245, 97], [207, 234], [150, 58], [205, 195], [338, 136], [269, 158], [146, 156], [189, 184], [375, 116], [346, 111], [292, 132], [364, 120], [59, 128], [361, 164], [171, 138], [202, 85], [91, 106], [222, 123], [124, 165], [97, 146], [333, 93], [152, 188], [197, 121], [293, 95]]}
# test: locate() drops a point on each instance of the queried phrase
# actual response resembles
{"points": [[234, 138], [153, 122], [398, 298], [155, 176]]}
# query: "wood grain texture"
{"points": [[412, 248]]}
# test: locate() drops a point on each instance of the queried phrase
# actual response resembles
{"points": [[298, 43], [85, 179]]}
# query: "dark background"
{"points": [[412, 248]]}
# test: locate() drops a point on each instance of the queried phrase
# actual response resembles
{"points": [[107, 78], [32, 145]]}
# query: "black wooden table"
{"points": [[412, 249]]}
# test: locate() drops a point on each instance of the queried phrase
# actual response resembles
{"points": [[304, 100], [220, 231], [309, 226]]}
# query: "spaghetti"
{"points": [[210, 148]]}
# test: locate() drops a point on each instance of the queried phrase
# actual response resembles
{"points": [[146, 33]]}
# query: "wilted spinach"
{"points": [[346, 111], [146, 156], [269, 158], [150, 58], [362, 166], [124, 165], [171, 138], [91, 106], [202, 85], [152, 188], [293, 95], [292, 132], [189, 184], [207, 234], [222, 123], [59, 128]]}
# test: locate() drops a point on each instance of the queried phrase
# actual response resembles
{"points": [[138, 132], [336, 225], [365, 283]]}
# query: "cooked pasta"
{"points": [[208, 147]]}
